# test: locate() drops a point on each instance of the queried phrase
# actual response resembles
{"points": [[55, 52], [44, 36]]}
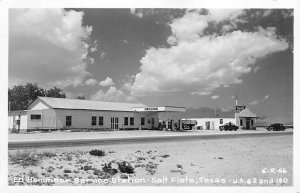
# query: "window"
{"points": [[35, 116], [125, 120], [100, 120], [68, 120], [131, 120], [143, 121], [241, 122], [252, 122], [221, 121], [94, 120]]}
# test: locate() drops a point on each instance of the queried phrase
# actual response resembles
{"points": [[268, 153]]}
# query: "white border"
{"points": [[6, 4]]}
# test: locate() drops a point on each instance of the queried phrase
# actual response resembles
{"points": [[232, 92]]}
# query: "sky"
{"points": [[178, 57]]}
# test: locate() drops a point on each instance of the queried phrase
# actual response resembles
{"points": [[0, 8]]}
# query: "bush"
{"points": [[82, 161], [97, 152], [47, 154], [23, 158], [125, 167], [86, 168], [14, 130], [165, 156], [140, 158], [67, 171], [97, 172], [69, 158], [109, 170], [150, 168], [50, 169]]}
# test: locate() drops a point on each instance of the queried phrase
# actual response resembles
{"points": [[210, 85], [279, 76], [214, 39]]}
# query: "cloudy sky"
{"points": [[180, 57]]}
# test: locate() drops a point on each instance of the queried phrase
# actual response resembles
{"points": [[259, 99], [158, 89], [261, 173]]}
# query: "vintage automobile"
{"points": [[228, 127], [276, 127]]}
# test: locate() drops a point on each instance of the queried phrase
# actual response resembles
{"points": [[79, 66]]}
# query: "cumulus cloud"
{"points": [[48, 46], [107, 82], [112, 94], [198, 63], [215, 97], [137, 12], [259, 101], [102, 55], [91, 82]]}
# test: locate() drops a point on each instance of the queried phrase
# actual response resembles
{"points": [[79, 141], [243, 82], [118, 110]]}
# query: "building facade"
{"points": [[211, 123], [244, 119], [47, 113]]}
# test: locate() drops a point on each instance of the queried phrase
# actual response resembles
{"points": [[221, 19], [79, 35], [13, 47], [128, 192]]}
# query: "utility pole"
{"points": [[235, 113]]}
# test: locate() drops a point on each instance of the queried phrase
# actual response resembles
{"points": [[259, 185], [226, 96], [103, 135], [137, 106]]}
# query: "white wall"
{"points": [[47, 121], [243, 126], [39, 106], [214, 123], [12, 118], [83, 118]]}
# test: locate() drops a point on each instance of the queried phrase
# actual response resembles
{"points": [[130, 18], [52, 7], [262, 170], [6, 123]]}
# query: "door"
{"points": [[247, 124], [114, 123], [207, 124]]}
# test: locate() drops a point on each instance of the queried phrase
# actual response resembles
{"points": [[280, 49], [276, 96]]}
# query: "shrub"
{"points": [[150, 168], [97, 152], [50, 169], [97, 172], [165, 156], [47, 154], [67, 171], [14, 130], [23, 158], [86, 168], [69, 158], [179, 166], [140, 158], [108, 169], [81, 161], [125, 167]]}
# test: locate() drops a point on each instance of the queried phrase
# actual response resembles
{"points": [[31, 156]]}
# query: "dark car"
{"points": [[276, 127], [228, 127]]}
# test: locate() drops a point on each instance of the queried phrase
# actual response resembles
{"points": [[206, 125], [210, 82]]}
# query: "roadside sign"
{"points": [[240, 107]]}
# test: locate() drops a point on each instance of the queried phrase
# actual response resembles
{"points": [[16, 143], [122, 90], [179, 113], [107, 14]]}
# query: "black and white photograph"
{"points": [[150, 97]]}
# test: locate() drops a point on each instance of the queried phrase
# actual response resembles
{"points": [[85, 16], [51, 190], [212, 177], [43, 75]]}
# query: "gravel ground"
{"points": [[255, 161]]}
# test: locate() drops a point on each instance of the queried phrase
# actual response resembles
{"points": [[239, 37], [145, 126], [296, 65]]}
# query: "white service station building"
{"points": [[47, 113]]}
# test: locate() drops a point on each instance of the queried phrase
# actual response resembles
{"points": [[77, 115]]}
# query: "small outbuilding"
{"points": [[246, 119]]}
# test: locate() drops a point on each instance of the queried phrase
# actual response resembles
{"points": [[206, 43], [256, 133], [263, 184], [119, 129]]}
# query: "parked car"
{"points": [[228, 127], [276, 127]]}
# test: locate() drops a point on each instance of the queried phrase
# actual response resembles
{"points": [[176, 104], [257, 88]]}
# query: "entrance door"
{"points": [[207, 124], [114, 123], [247, 124]]}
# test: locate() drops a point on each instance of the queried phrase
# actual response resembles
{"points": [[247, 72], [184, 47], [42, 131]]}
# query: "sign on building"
{"points": [[239, 108]]}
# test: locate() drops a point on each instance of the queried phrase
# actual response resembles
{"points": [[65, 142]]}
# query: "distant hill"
{"points": [[205, 112], [263, 121]]}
